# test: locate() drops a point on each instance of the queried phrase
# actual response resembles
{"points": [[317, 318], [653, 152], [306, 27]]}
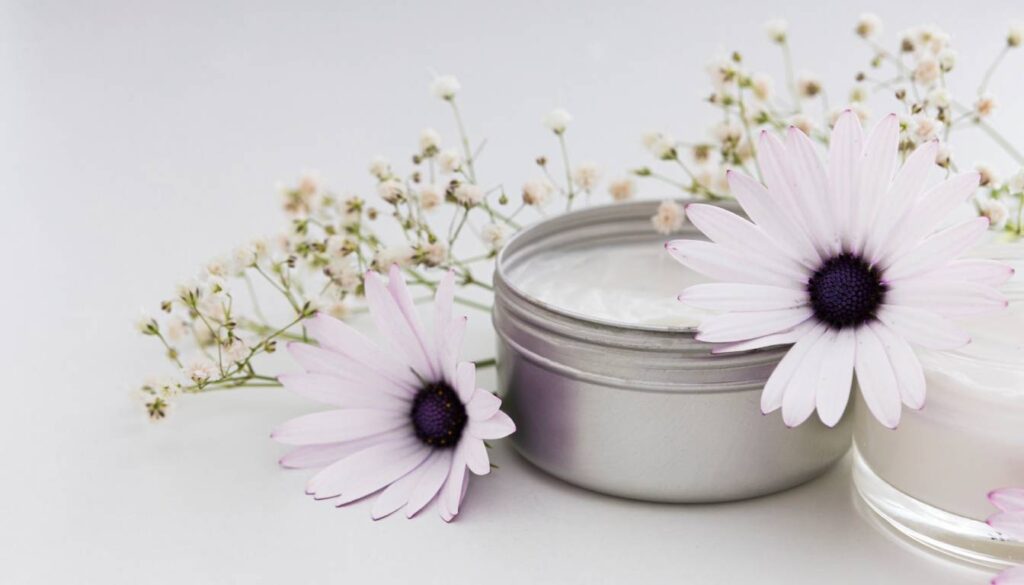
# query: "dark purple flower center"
{"points": [[846, 291], [438, 415]]}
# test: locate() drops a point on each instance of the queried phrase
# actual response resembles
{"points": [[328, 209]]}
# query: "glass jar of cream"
{"points": [[930, 477]]}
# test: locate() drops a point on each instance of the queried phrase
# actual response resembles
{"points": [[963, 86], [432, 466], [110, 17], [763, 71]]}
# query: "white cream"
{"points": [[624, 283], [969, 437]]}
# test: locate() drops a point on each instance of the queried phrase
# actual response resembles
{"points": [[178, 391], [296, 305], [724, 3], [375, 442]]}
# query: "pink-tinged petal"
{"points": [[342, 392], [335, 426], [363, 483], [1007, 499], [465, 381], [498, 426], [739, 235], [731, 327], [937, 250], [724, 296], [393, 324], [361, 352], [773, 160], [444, 301], [1011, 576], [799, 398], [475, 453], [326, 453], [835, 377], [430, 482], [926, 214], [448, 348], [810, 188], [452, 491], [922, 327], [775, 387], [482, 405], [876, 379], [905, 366], [331, 480], [948, 298], [753, 197], [988, 272], [786, 337], [876, 173], [902, 195], [844, 160], [396, 495], [724, 264], [403, 300], [1009, 523], [316, 360]]}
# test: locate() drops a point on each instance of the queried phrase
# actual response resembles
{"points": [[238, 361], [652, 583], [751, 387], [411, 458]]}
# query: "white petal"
{"points": [[482, 405], [810, 189], [773, 160], [449, 347], [937, 250], [476, 455], [742, 326], [836, 377], [754, 199], [452, 491], [902, 195], [465, 381], [724, 264], [724, 296], [334, 426], [948, 298], [876, 379], [905, 366], [1011, 576], [397, 494], [339, 337], [844, 159], [1007, 499], [330, 481], [799, 397], [1009, 523], [444, 300], [403, 300], [988, 272], [925, 215], [323, 454], [380, 474], [922, 327], [739, 235], [876, 172], [346, 393], [786, 337], [390, 320], [430, 481], [496, 427], [775, 387]]}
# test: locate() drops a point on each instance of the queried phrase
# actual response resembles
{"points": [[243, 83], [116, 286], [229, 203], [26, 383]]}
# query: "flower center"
{"points": [[846, 291], [438, 415]]}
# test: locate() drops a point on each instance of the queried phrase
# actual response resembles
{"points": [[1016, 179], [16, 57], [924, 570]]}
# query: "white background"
{"points": [[137, 140]]}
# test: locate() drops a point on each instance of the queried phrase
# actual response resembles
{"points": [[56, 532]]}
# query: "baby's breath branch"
{"points": [[992, 69]]}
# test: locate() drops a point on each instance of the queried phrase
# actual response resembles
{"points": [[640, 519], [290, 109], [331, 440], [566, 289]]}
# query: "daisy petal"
{"points": [[341, 392], [465, 381], [476, 456], [926, 214], [844, 159], [363, 483], [905, 366], [786, 337], [739, 235], [482, 405], [810, 182], [1007, 499], [948, 298], [836, 377], [496, 427], [987, 272], [900, 199], [339, 337], [444, 300], [334, 426], [742, 326], [397, 494], [775, 387], [323, 454], [876, 172], [317, 360], [922, 327], [330, 481], [391, 321], [772, 159], [451, 493], [937, 250], [723, 264], [1009, 523], [742, 297], [876, 378], [435, 472], [753, 197], [1011, 576], [448, 348], [403, 300], [799, 398]]}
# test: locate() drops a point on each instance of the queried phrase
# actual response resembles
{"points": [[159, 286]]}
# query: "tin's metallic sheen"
{"points": [[636, 411]]}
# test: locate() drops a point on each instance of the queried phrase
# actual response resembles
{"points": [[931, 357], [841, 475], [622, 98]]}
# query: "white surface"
{"points": [[130, 132]]}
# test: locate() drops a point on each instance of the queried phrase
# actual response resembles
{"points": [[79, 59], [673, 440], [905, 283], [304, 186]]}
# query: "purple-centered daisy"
{"points": [[409, 419], [846, 264], [1010, 522]]}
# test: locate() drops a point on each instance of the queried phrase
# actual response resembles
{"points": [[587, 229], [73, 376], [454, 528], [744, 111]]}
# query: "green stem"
{"points": [[465, 140], [571, 192]]}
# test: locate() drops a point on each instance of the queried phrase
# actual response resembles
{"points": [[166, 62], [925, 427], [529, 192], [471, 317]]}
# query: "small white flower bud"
{"points": [[449, 161], [669, 217], [380, 168], [869, 25], [445, 86], [537, 192], [776, 29], [468, 194], [557, 120], [996, 212], [586, 176], [430, 141]]}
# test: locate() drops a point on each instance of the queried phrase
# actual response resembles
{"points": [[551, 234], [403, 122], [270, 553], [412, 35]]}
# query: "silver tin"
{"points": [[636, 411]]}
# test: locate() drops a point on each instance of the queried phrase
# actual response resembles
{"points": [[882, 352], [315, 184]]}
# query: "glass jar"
{"points": [[930, 478]]}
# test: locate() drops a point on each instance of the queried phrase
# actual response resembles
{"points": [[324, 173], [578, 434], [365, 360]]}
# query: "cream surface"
{"points": [[628, 283], [969, 437]]}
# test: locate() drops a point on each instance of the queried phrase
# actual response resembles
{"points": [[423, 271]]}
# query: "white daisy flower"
{"points": [[846, 264]]}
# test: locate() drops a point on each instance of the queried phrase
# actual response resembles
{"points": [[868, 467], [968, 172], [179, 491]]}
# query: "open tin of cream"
{"points": [[608, 387]]}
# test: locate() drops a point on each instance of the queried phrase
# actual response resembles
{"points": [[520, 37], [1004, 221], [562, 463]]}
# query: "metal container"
{"points": [[636, 411]]}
